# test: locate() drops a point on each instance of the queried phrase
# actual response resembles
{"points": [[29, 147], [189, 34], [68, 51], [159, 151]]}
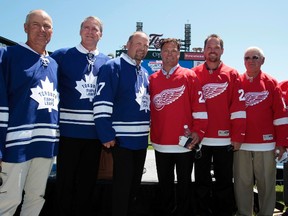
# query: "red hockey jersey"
{"points": [[225, 105], [175, 101], [267, 118], [284, 88]]}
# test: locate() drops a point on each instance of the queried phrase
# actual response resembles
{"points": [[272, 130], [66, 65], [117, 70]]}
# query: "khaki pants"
{"points": [[30, 176], [262, 166]]}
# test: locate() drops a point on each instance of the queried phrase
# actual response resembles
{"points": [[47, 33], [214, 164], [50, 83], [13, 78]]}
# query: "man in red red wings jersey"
{"points": [[176, 100], [266, 134], [284, 88], [226, 130]]}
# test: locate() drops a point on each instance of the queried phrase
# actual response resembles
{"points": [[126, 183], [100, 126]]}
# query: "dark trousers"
{"points": [[77, 170], [215, 198], [176, 202], [127, 173]]}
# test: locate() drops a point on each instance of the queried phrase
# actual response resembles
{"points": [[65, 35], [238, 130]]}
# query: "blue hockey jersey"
{"points": [[3, 111], [30, 86], [122, 104], [77, 83]]}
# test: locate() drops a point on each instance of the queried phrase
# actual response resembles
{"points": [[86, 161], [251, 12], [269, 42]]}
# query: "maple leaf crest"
{"points": [[143, 99], [87, 88], [47, 97]]}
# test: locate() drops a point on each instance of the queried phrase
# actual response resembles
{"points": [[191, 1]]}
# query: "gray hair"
{"points": [[99, 22], [257, 49], [33, 12]]}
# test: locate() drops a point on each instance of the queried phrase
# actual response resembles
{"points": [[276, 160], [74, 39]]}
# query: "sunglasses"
{"points": [[252, 58]]}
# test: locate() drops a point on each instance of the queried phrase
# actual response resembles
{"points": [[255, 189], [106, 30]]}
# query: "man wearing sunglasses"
{"points": [[266, 137]]}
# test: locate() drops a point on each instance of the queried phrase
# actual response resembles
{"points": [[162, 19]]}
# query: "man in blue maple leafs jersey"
{"points": [[79, 146], [28, 117], [121, 107]]}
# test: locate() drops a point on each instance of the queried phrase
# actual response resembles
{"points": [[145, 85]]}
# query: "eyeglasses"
{"points": [[1, 179], [252, 58]]}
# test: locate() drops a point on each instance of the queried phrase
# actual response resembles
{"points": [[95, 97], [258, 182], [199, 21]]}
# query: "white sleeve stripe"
{"points": [[74, 117], [103, 109], [200, 115], [4, 116], [74, 111], [32, 126], [132, 134], [17, 143], [239, 114], [102, 116], [136, 123], [103, 102], [29, 134], [4, 108], [77, 122], [280, 121], [131, 129]]}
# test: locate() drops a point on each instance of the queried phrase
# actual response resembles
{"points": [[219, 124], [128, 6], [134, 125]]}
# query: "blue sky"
{"points": [[240, 23]]}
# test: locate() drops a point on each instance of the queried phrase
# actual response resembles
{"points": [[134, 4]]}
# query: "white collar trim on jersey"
{"points": [[82, 49], [249, 78], [128, 59], [168, 73], [27, 47]]}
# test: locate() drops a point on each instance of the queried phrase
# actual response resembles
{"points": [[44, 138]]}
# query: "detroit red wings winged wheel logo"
{"points": [[212, 90], [253, 98], [167, 96]]}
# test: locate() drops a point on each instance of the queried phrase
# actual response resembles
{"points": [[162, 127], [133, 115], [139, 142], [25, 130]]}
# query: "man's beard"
{"points": [[139, 57], [214, 58]]}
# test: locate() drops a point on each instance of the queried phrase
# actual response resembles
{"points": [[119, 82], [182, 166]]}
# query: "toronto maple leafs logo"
{"points": [[253, 98], [143, 99], [212, 90], [47, 97], [87, 87], [167, 96]]}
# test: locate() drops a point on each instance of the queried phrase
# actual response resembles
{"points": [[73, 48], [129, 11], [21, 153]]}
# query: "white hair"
{"points": [[257, 49]]}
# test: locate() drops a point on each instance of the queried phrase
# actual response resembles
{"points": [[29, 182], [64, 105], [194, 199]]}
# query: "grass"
{"points": [[279, 193], [280, 204], [150, 147]]}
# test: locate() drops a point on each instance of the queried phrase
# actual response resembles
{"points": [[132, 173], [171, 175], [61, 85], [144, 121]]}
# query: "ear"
{"points": [[127, 45], [25, 27], [263, 60]]}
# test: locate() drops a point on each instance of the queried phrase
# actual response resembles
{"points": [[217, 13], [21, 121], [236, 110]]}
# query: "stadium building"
{"points": [[152, 62], [4, 42]]}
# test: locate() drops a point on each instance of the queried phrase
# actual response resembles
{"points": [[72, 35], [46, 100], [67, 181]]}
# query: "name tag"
{"points": [[223, 133], [267, 137]]}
